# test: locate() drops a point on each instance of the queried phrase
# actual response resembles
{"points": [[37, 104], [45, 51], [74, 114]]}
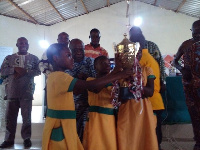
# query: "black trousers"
{"points": [[11, 117], [158, 127]]}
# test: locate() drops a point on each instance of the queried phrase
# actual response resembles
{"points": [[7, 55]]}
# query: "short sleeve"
{"points": [[150, 73], [72, 84], [89, 79], [61, 82], [144, 61]]}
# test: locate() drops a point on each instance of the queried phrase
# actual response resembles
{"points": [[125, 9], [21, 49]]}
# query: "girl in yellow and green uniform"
{"points": [[156, 100], [60, 125], [136, 122], [100, 130]]}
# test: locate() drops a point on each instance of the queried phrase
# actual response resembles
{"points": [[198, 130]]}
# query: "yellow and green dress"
{"points": [[136, 122], [60, 126], [148, 61], [100, 130]]}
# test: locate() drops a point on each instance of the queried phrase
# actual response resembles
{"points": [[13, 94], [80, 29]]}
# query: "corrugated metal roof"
{"points": [[169, 4], [49, 12], [191, 8]]}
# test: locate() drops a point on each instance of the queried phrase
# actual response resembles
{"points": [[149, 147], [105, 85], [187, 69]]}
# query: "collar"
{"points": [[93, 45], [80, 61], [22, 55]]}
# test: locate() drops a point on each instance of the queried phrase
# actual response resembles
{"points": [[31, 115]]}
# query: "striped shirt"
{"points": [[90, 51]]}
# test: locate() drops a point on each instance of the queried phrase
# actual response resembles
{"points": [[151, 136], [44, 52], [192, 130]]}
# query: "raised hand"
{"points": [[82, 76], [126, 73], [118, 61]]}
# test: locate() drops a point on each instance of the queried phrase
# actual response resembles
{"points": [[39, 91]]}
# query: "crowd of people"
{"points": [[79, 86]]}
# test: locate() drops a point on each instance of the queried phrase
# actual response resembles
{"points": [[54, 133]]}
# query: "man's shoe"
{"points": [[27, 143], [7, 144], [196, 147]]}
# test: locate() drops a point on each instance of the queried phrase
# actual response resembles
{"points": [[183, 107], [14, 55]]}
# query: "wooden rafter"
{"points": [[155, 2], [56, 10], [108, 3], [84, 6], [179, 7], [24, 12]]}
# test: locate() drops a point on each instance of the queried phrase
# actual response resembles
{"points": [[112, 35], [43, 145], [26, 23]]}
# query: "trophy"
{"points": [[127, 51], [128, 88]]}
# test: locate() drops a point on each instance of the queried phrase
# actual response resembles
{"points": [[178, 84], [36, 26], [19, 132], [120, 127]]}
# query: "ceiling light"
{"points": [[137, 21], [44, 44]]}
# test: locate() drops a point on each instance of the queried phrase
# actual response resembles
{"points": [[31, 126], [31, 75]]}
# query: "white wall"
{"points": [[11, 30], [166, 28]]}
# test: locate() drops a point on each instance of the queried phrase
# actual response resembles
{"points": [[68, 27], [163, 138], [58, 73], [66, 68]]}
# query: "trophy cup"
{"points": [[129, 88], [127, 51]]}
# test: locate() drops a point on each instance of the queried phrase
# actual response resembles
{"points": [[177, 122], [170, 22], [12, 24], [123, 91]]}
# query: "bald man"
{"points": [[83, 68], [44, 65], [20, 69]]}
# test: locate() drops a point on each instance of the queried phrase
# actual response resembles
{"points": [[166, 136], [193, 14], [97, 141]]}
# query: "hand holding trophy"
{"points": [[125, 58]]}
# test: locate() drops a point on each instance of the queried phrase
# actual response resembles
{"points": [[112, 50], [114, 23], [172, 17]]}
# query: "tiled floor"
{"points": [[172, 144], [166, 145], [169, 143], [37, 127], [36, 144]]}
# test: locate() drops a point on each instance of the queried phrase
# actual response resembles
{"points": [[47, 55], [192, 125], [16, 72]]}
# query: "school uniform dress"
{"points": [[136, 122], [148, 61], [100, 130], [156, 100], [60, 125]]}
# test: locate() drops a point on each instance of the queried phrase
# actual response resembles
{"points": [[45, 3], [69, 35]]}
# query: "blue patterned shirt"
{"points": [[83, 69]]}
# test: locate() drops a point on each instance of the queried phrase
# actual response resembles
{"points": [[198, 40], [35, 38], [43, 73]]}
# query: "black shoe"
{"points": [[196, 147], [159, 147], [7, 144], [27, 143]]}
